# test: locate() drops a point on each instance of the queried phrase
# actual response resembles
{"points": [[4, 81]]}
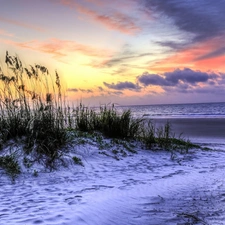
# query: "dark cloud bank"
{"points": [[176, 77], [80, 89], [198, 20], [185, 81], [122, 86], [203, 18]]}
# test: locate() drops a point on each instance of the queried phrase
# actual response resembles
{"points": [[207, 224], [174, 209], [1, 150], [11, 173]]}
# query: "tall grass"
{"points": [[164, 138], [108, 121], [31, 107]]}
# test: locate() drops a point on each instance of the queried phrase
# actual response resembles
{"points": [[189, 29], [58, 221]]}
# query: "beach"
{"points": [[120, 185], [196, 129], [148, 187]]}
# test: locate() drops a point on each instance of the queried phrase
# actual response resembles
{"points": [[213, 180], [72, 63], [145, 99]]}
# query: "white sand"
{"points": [[144, 188]]}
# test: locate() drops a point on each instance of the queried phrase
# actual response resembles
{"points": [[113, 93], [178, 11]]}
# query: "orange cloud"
{"points": [[17, 23], [118, 22], [113, 21], [196, 56], [217, 63], [59, 48]]}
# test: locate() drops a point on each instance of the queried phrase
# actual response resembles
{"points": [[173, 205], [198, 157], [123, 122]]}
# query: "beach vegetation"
{"points": [[148, 135], [27, 162], [107, 121], [35, 173], [163, 138], [10, 165], [77, 160], [31, 107]]}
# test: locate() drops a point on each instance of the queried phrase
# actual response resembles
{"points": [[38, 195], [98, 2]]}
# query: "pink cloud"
{"points": [[194, 56], [113, 20], [17, 23], [119, 22], [116, 3], [59, 48], [5, 33]]}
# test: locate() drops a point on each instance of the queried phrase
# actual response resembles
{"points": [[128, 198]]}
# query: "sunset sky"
{"points": [[122, 51]]}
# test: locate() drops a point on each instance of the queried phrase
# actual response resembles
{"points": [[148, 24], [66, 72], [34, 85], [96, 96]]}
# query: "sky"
{"points": [[130, 52]]}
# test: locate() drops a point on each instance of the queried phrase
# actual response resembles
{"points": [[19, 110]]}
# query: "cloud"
{"points": [[113, 20], [123, 58], [86, 90], [185, 81], [153, 79], [213, 54], [100, 89], [118, 21], [177, 77], [217, 90], [72, 89], [206, 55], [172, 44], [187, 75], [59, 48], [115, 93], [202, 18], [80, 89], [122, 86], [5, 33], [196, 29], [21, 24]]}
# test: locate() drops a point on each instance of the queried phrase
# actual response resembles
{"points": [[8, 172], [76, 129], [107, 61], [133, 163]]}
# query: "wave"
{"points": [[209, 110]]}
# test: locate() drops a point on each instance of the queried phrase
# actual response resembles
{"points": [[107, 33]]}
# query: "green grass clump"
{"points": [[10, 165], [164, 138], [148, 135], [77, 160], [108, 121], [117, 125]]}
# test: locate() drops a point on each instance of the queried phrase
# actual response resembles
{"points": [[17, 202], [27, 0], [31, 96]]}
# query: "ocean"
{"points": [[167, 111]]}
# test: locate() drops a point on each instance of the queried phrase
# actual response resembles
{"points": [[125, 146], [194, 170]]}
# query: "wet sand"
{"points": [[196, 129]]}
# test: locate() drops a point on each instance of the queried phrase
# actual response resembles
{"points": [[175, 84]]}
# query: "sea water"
{"points": [[196, 110]]}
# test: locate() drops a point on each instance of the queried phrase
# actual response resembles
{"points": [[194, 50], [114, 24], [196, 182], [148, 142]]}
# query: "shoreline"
{"points": [[196, 129]]}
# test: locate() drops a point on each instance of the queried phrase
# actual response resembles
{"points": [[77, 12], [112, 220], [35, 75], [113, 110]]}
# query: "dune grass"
{"points": [[10, 164], [33, 109], [108, 121], [164, 138]]}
